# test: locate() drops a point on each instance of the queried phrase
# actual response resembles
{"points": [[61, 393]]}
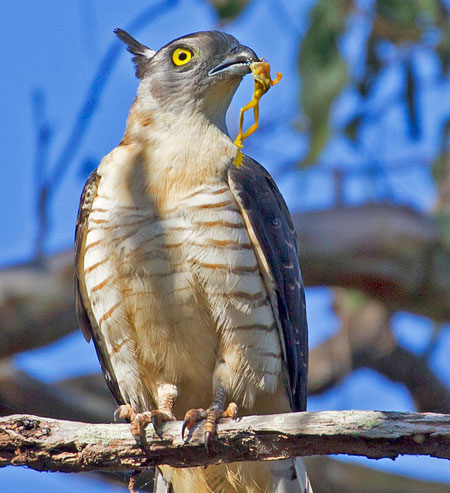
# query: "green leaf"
{"points": [[229, 9], [398, 20], [443, 49], [322, 69], [443, 222]]}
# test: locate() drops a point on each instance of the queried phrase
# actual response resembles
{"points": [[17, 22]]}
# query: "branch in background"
{"points": [[83, 399], [391, 253], [36, 304], [365, 340], [335, 476], [67, 446], [441, 170]]}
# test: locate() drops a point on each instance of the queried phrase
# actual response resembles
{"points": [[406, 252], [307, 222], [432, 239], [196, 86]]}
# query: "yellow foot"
{"points": [[211, 415], [139, 421]]}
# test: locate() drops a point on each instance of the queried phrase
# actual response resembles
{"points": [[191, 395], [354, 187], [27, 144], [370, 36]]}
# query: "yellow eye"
{"points": [[181, 56]]}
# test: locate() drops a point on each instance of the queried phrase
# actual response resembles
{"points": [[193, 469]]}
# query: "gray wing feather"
{"points": [[88, 324], [258, 195]]}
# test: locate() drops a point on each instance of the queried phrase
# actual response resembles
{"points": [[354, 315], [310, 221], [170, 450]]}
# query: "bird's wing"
{"points": [[275, 242], [87, 322]]}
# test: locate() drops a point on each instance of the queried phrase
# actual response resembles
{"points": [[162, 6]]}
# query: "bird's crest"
{"points": [[142, 54]]}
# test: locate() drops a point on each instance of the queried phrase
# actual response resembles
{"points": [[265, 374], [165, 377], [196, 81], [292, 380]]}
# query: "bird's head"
{"points": [[199, 72]]}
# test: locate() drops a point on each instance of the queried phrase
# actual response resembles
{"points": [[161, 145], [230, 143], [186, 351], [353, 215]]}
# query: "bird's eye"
{"points": [[181, 56]]}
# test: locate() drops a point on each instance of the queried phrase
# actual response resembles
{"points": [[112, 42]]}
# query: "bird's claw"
{"points": [[156, 424], [192, 417], [208, 441], [140, 440], [231, 411], [140, 420], [183, 428], [125, 411]]}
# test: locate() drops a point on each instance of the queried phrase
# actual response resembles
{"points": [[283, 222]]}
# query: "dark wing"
{"points": [[275, 239], [87, 322]]}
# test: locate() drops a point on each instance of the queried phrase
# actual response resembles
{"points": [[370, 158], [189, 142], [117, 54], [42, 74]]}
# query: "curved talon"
{"points": [[140, 440], [231, 411], [208, 441], [125, 411], [183, 428], [192, 417], [155, 425]]}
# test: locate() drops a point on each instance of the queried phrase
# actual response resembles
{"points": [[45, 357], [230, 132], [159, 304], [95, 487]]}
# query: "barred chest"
{"points": [[176, 277], [147, 253]]}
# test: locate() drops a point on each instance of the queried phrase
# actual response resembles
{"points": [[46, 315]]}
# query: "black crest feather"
{"points": [[142, 54]]}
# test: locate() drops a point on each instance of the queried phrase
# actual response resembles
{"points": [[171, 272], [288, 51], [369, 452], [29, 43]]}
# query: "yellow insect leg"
{"points": [[255, 125], [258, 92], [240, 136]]}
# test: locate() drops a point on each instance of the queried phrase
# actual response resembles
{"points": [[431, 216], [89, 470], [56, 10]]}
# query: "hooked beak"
{"points": [[238, 63]]}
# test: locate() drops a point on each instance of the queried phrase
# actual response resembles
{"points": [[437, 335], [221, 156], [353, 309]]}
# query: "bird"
{"points": [[187, 275]]}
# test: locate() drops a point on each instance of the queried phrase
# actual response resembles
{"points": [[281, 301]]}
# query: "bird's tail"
{"points": [[290, 476]]}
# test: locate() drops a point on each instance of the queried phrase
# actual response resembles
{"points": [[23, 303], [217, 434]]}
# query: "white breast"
{"points": [[170, 292]]}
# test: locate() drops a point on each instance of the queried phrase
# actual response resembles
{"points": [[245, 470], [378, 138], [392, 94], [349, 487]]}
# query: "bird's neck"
{"points": [[176, 152]]}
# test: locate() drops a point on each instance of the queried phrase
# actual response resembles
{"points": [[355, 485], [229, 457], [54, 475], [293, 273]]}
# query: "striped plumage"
{"points": [[187, 275]]}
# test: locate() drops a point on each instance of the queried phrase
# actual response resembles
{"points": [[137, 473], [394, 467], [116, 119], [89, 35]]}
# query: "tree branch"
{"points": [[365, 340], [81, 399], [51, 445], [391, 253], [36, 304], [335, 476]]}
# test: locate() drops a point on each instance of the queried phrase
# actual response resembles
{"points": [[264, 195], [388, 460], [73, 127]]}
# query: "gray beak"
{"points": [[238, 63]]}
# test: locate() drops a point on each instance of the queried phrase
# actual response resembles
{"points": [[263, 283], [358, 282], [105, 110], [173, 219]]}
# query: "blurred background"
{"points": [[356, 136]]}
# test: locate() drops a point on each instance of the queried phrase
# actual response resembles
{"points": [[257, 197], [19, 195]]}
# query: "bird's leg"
{"points": [[165, 401], [215, 411]]}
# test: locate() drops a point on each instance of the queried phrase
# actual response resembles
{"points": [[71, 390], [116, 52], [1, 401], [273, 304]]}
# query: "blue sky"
{"points": [[56, 47]]}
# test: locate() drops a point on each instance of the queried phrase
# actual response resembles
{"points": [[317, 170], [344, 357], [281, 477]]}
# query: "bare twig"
{"points": [[67, 446], [43, 132]]}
